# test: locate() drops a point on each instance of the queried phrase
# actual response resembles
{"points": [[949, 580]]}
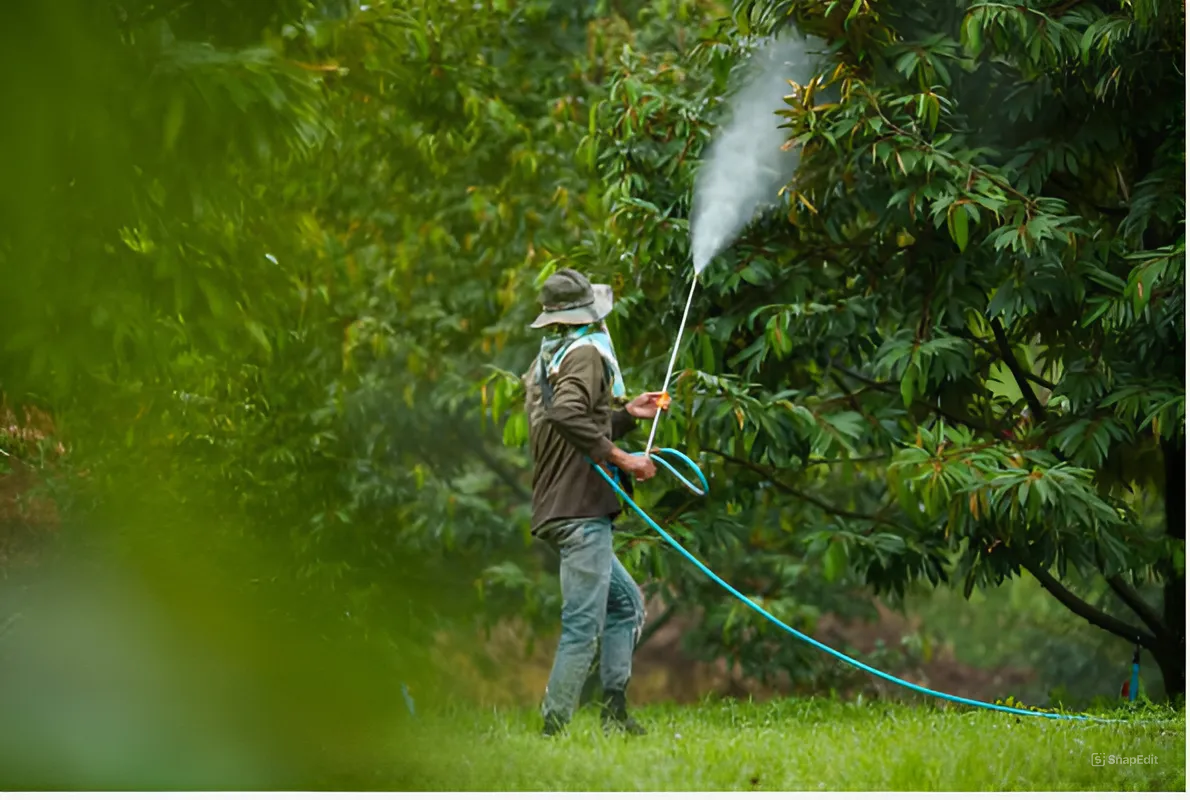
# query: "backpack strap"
{"points": [[543, 384]]}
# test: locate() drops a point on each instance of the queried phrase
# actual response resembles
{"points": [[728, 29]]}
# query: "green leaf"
{"points": [[834, 561], [957, 220], [742, 21], [909, 384], [708, 354], [907, 63], [173, 121], [1004, 299], [258, 333]]}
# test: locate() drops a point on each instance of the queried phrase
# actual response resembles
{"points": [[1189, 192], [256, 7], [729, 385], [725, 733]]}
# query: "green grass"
{"points": [[793, 745]]}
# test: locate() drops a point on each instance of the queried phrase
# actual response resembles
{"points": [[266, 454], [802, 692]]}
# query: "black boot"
{"points": [[554, 724], [615, 715]]}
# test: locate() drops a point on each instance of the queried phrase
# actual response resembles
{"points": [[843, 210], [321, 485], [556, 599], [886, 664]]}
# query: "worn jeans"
{"points": [[601, 604]]}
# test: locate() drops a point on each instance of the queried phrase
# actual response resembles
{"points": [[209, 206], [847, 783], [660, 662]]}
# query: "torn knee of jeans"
{"points": [[638, 629]]}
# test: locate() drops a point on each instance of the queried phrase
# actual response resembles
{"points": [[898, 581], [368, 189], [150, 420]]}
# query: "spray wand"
{"points": [[664, 402]]}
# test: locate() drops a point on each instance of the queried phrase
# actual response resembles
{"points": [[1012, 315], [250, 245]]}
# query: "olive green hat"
{"points": [[568, 298]]}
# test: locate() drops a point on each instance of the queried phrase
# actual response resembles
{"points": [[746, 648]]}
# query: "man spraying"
{"points": [[573, 392]]}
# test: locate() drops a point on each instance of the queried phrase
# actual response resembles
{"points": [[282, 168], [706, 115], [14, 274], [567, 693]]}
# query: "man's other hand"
{"points": [[640, 467], [645, 406]]}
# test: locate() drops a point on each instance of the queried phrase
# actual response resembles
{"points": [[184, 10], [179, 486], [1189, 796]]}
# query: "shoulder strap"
{"points": [[543, 383]]}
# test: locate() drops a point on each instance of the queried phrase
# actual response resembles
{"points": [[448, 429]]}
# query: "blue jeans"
{"points": [[601, 604]]}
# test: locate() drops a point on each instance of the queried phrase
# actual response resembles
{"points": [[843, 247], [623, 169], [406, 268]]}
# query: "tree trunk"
{"points": [[1175, 488], [1171, 655]]}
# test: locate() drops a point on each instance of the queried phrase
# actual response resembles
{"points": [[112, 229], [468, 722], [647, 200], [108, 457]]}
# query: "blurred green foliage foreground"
{"points": [[266, 270]]}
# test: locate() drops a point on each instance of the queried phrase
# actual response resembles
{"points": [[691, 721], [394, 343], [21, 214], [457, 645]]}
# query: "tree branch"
{"points": [[1033, 377], [809, 498], [820, 462], [1081, 607], [768, 475], [853, 400], [1148, 615], [480, 450], [1019, 374], [679, 511], [1040, 381], [657, 624], [888, 389], [1061, 8]]}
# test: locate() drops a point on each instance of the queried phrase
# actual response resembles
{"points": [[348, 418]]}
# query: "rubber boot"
{"points": [[554, 724], [615, 715]]}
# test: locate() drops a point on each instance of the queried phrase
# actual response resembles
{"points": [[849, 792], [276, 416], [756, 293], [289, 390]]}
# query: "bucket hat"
{"points": [[568, 298]]}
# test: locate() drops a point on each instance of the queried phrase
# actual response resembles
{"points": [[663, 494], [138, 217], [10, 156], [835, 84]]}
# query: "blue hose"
{"points": [[689, 463], [798, 634]]}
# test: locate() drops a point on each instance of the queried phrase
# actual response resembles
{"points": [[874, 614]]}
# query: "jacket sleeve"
{"points": [[577, 389], [623, 424]]}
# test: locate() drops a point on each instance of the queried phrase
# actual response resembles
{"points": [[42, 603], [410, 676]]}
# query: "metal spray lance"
{"points": [[674, 355]]}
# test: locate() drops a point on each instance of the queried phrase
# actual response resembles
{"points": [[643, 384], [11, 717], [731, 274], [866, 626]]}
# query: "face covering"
{"points": [[555, 348]]}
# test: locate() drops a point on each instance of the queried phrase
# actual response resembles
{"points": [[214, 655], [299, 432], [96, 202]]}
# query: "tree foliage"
{"points": [[279, 263], [971, 230]]}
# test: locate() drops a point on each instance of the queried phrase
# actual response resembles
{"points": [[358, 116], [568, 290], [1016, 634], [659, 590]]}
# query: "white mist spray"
{"points": [[746, 167]]}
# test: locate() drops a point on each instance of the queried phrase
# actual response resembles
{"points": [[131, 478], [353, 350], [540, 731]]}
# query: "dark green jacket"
{"points": [[580, 421]]}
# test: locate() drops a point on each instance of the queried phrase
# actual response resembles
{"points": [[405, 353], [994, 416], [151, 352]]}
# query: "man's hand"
{"points": [[640, 467], [646, 405]]}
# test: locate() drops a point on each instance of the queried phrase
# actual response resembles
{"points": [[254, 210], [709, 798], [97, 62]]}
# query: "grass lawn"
{"points": [[794, 745]]}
